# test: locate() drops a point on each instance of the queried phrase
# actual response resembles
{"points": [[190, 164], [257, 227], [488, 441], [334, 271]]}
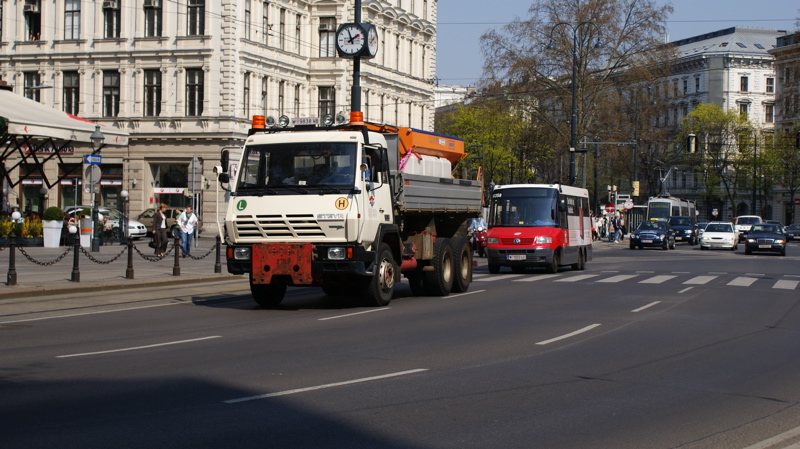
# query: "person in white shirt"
{"points": [[187, 221]]}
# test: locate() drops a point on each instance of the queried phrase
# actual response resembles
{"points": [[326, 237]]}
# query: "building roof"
{"points": [[743, 41]]}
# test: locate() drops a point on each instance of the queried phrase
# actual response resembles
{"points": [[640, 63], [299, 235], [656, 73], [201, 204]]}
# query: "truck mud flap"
{"points": [[278, 259]]}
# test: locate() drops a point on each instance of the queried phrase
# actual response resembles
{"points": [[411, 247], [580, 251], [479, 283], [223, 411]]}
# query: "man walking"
{"points": [[187, 221]]}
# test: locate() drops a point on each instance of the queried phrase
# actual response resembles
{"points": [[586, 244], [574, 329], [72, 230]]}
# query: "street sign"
{"points": [[628, 205], [92, 159], [610, 208], [91, 178]]}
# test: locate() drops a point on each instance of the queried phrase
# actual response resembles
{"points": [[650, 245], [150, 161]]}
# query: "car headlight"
{"points": [[780, 241], [241, 253], [337, 253], [492, 240], [751, 240], [543, 240]]}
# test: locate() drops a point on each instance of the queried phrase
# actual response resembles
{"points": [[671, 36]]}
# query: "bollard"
{"points": [[176, 269], [76, 273], [12, 263], [217, 264], [129, 270]]}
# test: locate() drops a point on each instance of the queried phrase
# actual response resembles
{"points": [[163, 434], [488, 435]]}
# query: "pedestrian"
{"points": [[160, 230], [187, 221], [617, 229]]}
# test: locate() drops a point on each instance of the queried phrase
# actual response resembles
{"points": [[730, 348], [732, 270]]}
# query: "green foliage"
{"points": [[53, 213]]}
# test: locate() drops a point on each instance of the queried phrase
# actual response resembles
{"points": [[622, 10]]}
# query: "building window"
{"points": [[194, 92], [264, 87], [1, 22], [696, 85], [246, 94], [424, 9], [281, 89], [675, 91], [282, 31], [770, 85], [196, 17], [247, 20], [297, 33], [111, 19], [297, 100], [327, 101], [152, 18], [327, 39], [744, 109], [769, 113], [685, 87], [744, 81], [152, 93], [110, 93], [265, 22], [33, 19], [72, 20], [31, 86], [72, 86]]}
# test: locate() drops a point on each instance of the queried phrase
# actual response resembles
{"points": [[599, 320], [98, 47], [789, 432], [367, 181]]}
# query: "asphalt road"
{"points": [[643, 349]]}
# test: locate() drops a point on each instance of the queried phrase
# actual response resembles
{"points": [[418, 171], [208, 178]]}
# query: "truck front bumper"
{"points": [[529, 257]]}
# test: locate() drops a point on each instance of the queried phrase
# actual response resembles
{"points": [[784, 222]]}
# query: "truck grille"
{"points": [[278, 226]]}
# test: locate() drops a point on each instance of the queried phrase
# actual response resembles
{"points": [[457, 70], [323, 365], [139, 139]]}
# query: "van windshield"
{"points": [[524, 207]]}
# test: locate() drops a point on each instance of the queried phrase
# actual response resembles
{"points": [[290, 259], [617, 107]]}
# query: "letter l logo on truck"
{"points": [[241, 205]]}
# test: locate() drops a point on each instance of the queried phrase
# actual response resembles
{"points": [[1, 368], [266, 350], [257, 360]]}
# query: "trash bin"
{"points": [[86, 232]]}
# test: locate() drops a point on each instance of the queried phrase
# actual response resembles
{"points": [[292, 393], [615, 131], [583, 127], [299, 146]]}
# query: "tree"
{"points": [[782, 164]]}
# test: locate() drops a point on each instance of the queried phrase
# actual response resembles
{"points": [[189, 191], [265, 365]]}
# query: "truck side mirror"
{"points": [[224, 160], [224, 177]]}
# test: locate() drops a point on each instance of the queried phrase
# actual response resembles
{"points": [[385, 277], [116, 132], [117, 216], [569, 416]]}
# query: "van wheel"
{"points": [[439, 282], [581, 262], [462, 262], [552, 267], [268, 295], [493, 269]]}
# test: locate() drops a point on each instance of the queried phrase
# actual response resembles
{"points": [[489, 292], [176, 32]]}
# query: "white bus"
{"points": [[664, 207]]}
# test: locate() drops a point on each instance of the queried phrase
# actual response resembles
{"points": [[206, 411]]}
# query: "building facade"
{"points": [[184, 78]]}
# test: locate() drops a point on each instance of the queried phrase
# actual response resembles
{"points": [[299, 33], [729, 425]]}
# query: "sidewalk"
{"points": [[108, 271]]}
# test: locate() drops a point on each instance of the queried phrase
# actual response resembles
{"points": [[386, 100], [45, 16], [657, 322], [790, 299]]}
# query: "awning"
{"points": [[31, 118]]}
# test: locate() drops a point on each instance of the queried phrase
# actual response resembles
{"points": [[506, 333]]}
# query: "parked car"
{"points": [[793, 232], [776, 222], [135, 230], [684, 229], [743, 223], [653, 234], [146, 217], [719, 234], [765, 237]]}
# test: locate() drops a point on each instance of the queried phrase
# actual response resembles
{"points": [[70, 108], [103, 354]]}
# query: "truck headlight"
{"points": [[492, 241], [241, 253], [337, 254], [542, 240]]}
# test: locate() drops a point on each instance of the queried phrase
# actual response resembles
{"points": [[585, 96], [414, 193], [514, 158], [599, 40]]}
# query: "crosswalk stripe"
{"points": [[618, 278], [580, 277], [743, 281], [657, 279], [496, 278], [786, 285], [537, 277], [700, 280]]}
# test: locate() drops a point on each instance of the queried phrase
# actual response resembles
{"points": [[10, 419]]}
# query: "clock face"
{"points": [[372, 41], [350, 39]]}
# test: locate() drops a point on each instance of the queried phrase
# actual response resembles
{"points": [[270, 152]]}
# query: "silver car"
{"points": [[136, 229]]}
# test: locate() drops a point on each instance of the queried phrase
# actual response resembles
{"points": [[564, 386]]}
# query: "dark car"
{"points": [[793, 232], [765, 237], [653, 233], [684, 229]]}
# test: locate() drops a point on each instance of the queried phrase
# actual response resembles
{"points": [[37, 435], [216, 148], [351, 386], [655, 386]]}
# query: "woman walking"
{"points": [[160, 230]]}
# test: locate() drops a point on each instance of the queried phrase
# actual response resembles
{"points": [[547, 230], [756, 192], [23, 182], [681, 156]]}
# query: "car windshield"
{"points": [[748, 220], [652, 226], [794, 227], [680, 221], [718, 227], [766, 228]]}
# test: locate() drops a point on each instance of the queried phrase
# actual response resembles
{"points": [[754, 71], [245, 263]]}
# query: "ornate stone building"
{"points": [[184, 78]]}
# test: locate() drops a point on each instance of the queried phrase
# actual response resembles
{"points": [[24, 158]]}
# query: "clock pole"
{"points": [[355, 93]]}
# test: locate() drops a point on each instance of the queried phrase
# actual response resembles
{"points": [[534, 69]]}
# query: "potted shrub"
{"points": [[53, 224]]}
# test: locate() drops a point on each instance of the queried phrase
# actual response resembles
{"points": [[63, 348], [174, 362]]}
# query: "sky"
{"points": [[461, 23]]}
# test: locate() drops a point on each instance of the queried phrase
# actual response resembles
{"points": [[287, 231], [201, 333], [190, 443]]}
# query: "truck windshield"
{"points": [[296, 166], [524, 207]]}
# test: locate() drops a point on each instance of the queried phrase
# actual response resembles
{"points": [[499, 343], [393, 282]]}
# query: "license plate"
{"points": [[647, 241], [515, 257], [765, 246]]}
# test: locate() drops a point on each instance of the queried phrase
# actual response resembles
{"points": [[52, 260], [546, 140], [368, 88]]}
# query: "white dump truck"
{"points": [[350, 209]]}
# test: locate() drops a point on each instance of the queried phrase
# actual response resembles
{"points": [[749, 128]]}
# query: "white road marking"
{"points": [[465, 294], [320, 387], [353, 314], [685, 290], [772, 442], [657, 279], [742, 281], [580, 277], [571, 334], [503, 277], [92, 313], [700, 280], [786, 285], [645, 307], [138, 347], [618, 278], [537, 277]]}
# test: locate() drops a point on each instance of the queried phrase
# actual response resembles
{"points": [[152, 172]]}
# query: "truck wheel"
{"points": [[268, 295], [415, 282], [380, 289], [552, 267], [439, 282], [462, 261]]}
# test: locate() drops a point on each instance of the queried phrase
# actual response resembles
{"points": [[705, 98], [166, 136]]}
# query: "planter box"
{"points": [[52, 233]]}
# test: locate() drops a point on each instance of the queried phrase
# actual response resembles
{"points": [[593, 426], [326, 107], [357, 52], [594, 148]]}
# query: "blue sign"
{"points": [[92, 159]]}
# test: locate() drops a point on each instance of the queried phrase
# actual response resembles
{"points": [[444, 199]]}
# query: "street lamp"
{"points": [[97, 139], [574, 115], [42, 199], [123, 238]]}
